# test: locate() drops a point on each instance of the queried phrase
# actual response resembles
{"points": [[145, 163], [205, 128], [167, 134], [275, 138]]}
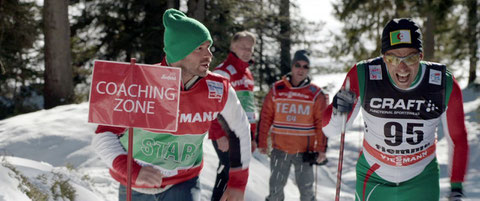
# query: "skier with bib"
{"points": [[402, 99]]}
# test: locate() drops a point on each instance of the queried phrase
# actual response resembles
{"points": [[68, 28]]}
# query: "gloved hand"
{"points": [[322, 158], [343, 101], [456, 195]]}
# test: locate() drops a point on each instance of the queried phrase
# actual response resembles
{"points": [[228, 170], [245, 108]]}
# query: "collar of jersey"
{"points": [[288, 77], [237, 62]]}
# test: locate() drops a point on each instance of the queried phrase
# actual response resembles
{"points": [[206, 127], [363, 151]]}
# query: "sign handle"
{"points": [[129, 164], [129, 157]]}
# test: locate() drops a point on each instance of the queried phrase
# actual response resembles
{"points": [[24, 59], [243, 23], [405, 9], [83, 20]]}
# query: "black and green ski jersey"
{"points": [[400, 124]]}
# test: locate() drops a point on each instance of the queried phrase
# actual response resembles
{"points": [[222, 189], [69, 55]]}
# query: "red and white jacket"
{"points": [[179, 155], [241, 79]]}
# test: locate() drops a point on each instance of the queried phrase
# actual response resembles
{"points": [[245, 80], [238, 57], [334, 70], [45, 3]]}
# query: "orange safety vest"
{"points": [[295, 127]]}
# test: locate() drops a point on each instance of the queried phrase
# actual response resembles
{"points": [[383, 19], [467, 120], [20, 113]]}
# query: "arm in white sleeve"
{"points": [[237, 121], [108, 147], [332, 121]]}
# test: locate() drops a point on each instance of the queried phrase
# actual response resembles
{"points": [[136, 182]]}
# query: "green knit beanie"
{"points": [[182, 35]]}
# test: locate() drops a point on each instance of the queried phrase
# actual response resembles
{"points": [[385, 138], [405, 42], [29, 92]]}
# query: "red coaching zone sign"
{"points": [[134, 95]]}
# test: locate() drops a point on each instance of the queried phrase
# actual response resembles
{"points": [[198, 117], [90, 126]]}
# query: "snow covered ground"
{"points": [[52, 148]]}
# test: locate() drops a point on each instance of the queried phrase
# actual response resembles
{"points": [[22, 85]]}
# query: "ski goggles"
{"points": [[297, 65], [409, 60]]}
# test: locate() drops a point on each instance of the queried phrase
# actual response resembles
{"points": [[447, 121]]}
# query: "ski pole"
{"points": [[129, 164], [315, 171], [130, 153], [342, 143]]}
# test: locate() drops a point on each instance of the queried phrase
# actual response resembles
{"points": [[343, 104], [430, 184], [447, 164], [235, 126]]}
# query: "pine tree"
{"points": [[20, 79], [364, 22], [120, 30], [117, 30], [473, 38], [285, 36]]}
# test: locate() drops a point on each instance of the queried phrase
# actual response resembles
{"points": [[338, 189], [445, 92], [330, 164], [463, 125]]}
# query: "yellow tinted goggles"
{"points": [[409, 60]]}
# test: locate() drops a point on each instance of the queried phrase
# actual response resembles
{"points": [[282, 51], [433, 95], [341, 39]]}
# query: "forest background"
{"points": [[47, 47]]}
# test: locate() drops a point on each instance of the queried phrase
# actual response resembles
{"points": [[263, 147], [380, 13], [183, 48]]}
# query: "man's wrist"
{"points": [[238, 179], [120, 166]]}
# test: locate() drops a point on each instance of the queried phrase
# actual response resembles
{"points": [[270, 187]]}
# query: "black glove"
{"points": [[343, 101], [311, 157], [456, 195]]}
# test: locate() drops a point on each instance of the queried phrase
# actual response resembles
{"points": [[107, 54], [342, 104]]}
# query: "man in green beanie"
{"points": [[167, 164]]}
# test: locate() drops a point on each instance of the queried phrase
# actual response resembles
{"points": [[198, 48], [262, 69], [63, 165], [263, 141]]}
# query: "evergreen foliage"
{"points": [[120, 30], [21, 78], [446, 33], [272, 59], [115, 30]]}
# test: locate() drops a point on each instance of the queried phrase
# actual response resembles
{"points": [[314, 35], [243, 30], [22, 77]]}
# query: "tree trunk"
{"points": [[399, 7], [58, 87], [261, 63], [260, 43], [379, 30], [2, 69], [429, 37], [152, 39], [173, 4], [472, 35], [285, 32], [196, 9]]}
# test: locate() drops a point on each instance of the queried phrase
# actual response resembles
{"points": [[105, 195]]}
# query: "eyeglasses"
{"points": [[297, 65], [409, 60]]}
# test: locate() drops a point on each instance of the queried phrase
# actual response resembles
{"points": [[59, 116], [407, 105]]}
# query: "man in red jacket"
{"points": [[167, 164], [235, 69]]}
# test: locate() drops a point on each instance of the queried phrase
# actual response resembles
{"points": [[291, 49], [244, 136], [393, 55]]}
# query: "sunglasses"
{"points": [[297, 65], [409, 60]]}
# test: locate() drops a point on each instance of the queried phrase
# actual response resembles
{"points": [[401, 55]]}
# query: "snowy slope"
{"points": [[50, 142]]}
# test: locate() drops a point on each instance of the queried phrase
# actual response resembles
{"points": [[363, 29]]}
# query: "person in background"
{"points": [[403, 99], [171, 174], [292, 113], [235, 69]]}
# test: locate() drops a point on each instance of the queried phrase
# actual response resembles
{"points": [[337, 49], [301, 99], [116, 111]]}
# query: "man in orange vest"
{"points": [[292, 113]]}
